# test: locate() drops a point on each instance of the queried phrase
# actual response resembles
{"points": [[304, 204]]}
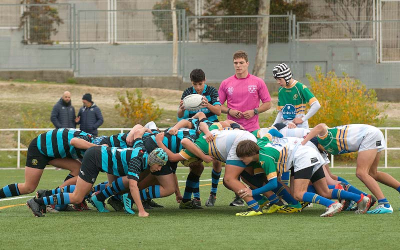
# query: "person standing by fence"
{"points": [[89, 116], [63, 113]]}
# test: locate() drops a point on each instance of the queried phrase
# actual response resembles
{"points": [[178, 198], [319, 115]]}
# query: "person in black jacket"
{"points": [[63, 113], [89, 116]]}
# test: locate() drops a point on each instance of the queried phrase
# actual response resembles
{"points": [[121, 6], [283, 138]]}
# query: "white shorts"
{"points": [[373, 139], [305, 157], [232, 156]]}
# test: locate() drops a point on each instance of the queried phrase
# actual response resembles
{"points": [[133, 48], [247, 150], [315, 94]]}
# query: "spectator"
{"points": [[89, 116], [63, 113]]}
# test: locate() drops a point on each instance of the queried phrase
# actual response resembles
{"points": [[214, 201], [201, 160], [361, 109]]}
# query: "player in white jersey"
{"points": [[368, 141]]}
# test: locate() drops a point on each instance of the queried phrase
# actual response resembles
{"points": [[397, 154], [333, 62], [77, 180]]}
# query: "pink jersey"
{"points": [[244, 94]]}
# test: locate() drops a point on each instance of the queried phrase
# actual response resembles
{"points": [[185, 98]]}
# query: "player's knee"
{"points": [[26, 189]]}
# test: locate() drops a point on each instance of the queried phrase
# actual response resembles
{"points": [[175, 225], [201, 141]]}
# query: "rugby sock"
{"points": [[281, 191], [253, 205], [352, 189], [57, 199], [315, 198], [196, 189], [190, 184], [273, 199], [214, 180], [337, 186], [150, 192], [384, 202], [344, 195], [114, 188], [257, 197], [398, 189], [342, 180], [285, 178], [69, 176], [9, 191], [66, 189]]}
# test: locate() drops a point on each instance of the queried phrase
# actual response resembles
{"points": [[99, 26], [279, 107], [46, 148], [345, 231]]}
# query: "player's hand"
{"points": [[160, 138], [209, 137], [291, 125], [205, 102], [245, 192], [173, 131], [77, 119], [248, 114], [181, 105], [179, 198], [297, 120], [129, 139], [143, 214], [236, 113], [207, 159]]}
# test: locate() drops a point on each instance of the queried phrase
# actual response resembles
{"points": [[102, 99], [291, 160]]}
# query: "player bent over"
{"points": [[104, 159], [305, 164], [368, 141], [59, 147]]}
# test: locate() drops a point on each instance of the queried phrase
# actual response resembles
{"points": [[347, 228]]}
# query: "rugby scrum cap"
{"points": [[282, 71], [157, 156]]}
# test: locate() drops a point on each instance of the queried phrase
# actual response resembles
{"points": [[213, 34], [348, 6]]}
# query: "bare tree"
{"points": [[260, 65]]}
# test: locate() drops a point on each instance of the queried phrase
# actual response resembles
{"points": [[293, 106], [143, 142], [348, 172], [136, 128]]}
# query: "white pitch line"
{"points": [[15, 198]]}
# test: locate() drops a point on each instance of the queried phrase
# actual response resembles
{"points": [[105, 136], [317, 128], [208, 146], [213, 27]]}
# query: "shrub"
{"points": [[136, 109], [344, 101]]}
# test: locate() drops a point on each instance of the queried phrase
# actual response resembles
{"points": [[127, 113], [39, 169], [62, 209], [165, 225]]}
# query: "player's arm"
{"points": [[204, 128], [315, 106], [133, 187], [135, 166], [131, 135], [189, 145], [181, 124], [178, 194], [81, 143], [172, 157], [319, 130], [181, 109]]}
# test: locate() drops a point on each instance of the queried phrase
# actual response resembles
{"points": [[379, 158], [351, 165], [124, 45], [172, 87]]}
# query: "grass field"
{"points": [[209, 228]]}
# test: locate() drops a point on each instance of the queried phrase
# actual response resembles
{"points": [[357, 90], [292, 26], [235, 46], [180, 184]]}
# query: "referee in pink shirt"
{"points": [[243, 93]]}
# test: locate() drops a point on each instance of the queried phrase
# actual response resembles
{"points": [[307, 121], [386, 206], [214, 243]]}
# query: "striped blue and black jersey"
{"points": [[172, 142], [212, 96], [119, 140], [124, 161], [57, 143]]}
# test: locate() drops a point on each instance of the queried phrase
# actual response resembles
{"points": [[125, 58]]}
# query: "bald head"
{"points": [[66, 97]]}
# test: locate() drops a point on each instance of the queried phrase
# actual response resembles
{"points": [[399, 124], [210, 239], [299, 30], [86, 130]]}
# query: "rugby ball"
{"points": [[193, 102]]}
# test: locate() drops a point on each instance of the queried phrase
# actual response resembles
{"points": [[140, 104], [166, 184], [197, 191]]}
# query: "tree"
{"points": [[39, 21], [353, 10], [260, 65]]}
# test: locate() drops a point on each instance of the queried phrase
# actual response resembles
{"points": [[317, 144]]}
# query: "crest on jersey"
{"points": [[230, 90], [295, 96], [34, 162], [289, 112], [252, 89]]}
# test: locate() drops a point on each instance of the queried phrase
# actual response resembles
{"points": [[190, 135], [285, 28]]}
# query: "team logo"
{"points": [[83, 173], [93, 180], [289, 112], [230, 90], [295, 96], [252, 89], [217, 99], [34, 162], [378, 143], [314, 160]]}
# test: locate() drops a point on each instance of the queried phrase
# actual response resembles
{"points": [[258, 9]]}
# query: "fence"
{"points": [[18, 149], [26, 32]]}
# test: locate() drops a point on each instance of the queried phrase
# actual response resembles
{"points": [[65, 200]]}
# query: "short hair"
{"points": [[240, 54], [247, 148], [197, 75]]}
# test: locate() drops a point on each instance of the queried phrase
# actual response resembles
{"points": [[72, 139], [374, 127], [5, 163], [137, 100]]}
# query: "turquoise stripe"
{"points": [[49, 145], [124, 162], [104, 158], [60, 144], [38, 144], [157, 188], [237, 163], [114, 160]]}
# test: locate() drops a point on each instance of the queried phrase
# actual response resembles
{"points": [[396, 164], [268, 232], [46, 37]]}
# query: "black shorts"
{"points": [[169, 168], [34, 158], [91, 165], [307, 174]]}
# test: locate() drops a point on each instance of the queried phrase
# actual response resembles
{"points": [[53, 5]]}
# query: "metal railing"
{"points": [[121, 130]]}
